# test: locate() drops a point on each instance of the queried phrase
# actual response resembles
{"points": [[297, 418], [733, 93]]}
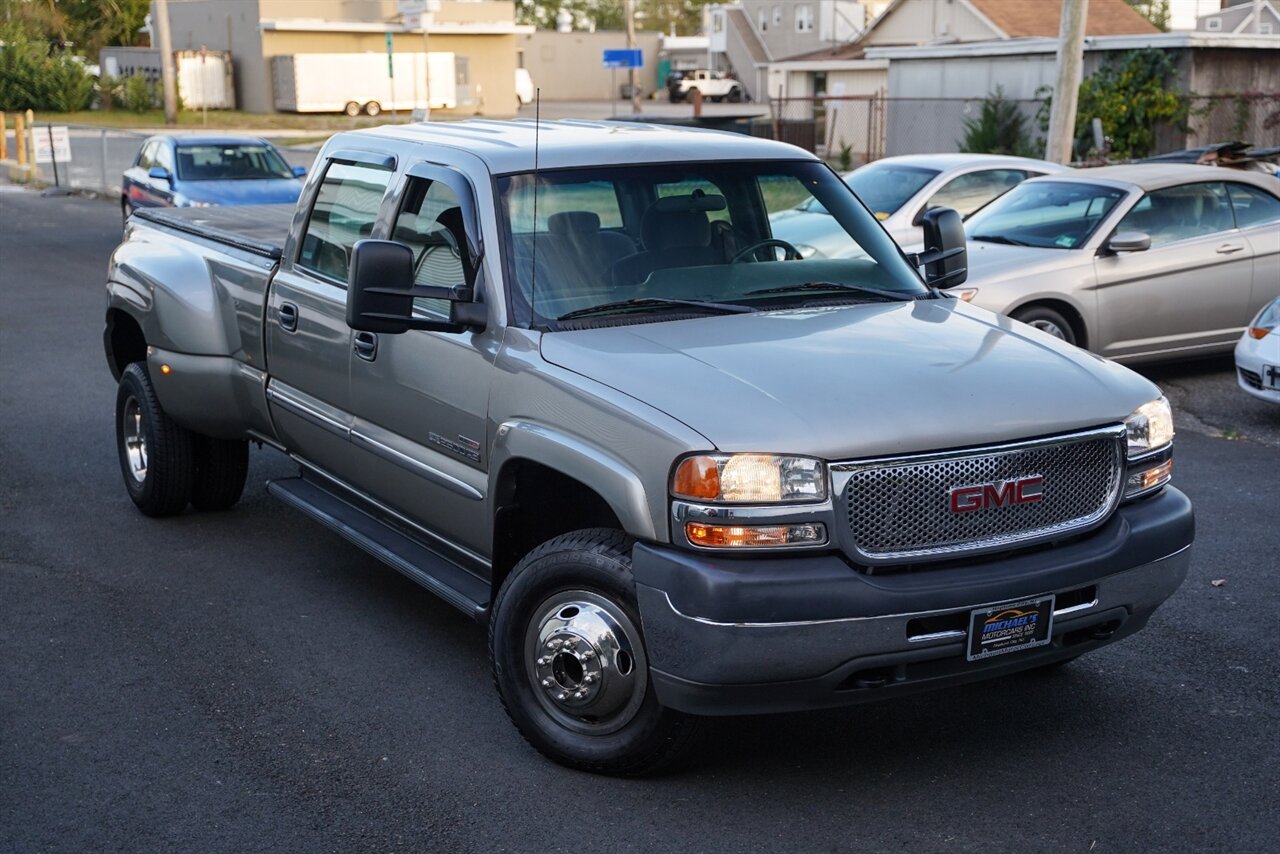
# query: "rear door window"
{"points": [[1180, 213], [1253, 206], [345, 210]]}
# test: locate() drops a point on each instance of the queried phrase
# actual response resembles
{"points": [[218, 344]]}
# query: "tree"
{"points": [[999, 128], [1155, 11], [83, 26]]}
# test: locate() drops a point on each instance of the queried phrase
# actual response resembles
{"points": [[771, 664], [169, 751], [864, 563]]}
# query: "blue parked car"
{"points": [[198, 171]]}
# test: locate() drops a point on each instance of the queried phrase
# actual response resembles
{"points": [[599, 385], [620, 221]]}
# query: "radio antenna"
{"points": [[533, 273]]}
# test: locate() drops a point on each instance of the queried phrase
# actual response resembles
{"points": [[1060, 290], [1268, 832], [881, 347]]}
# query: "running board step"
{"points": [[441, 576]]}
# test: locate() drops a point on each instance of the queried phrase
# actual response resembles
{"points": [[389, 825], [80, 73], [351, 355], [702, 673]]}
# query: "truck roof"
{"points": [[507, 146]]}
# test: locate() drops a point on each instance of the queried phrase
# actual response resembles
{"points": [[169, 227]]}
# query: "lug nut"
{"points": [[589, 678], [562, 696], [546, 683], [588, 654]]}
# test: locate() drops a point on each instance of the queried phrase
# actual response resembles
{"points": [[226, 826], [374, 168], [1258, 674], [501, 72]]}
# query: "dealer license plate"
{"points": [[1011, 627]]}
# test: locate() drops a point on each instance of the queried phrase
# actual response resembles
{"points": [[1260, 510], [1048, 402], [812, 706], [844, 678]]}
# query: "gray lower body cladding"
{"points": [[734, 636]]}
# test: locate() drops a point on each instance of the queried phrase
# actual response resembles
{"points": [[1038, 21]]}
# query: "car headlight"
{"points": [[1149, 436], [1267, 322], [749, 479]]}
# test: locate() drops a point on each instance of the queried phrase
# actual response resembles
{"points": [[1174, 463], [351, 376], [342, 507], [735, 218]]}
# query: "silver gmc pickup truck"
{"points": [[567, 379]]}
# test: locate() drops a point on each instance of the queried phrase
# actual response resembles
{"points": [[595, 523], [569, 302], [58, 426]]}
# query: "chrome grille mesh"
{"points": [[901, 509]]}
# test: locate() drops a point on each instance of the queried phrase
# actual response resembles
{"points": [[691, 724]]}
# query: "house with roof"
{"points": [[1239, 17]]}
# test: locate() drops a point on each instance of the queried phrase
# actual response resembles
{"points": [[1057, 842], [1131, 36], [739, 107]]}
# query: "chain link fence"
{"points": [[859, 129], [100, 155]]}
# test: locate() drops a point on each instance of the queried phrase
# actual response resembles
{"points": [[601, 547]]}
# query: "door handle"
{"points": [[288, 317], [366, 346], [1228, 248]]}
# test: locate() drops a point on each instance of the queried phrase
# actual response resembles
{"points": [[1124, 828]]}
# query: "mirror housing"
{"points": [[380, 293], [159, 173], [945, 257], [299, 171], [1128, 241]]}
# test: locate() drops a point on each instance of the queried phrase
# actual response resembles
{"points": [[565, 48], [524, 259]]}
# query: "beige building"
{"points": [[570, 66], [482, 34]]}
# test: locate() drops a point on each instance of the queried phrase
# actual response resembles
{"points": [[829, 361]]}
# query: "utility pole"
{"points": [[629, 9], [1066, 92], [161, 25]]}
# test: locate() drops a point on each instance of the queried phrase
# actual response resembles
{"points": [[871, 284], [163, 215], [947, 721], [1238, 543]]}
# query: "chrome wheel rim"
{"points": [[1048, 326], [585, 662], [135, 440]]}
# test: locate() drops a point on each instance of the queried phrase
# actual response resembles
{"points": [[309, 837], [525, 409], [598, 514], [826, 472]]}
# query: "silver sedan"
{"points": [[898, 190], [1135, 262]]}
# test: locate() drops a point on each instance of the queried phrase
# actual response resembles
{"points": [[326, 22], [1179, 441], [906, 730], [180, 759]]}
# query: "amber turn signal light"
{"points": [[697, 477]]}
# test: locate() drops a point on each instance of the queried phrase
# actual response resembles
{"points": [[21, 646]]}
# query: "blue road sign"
{"points": [[624, 58]]}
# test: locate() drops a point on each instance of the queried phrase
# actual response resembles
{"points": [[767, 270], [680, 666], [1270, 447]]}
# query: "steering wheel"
{"points": [[790, 253]]}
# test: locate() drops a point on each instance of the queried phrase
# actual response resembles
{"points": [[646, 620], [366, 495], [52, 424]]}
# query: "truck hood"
{"points": [[854, 381]]}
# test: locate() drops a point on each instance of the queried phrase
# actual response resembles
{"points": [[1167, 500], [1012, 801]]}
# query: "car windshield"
{"points": [[883, 187], [680, 239], [1045, 214], [230, 162]]}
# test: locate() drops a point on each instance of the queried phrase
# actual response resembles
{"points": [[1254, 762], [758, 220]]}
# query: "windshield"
{"points": [[685, 238], [884, 188], [1046, 214], [230, 162]]}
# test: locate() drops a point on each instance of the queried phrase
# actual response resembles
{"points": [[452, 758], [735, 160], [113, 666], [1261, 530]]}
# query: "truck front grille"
{"points": [[937, 506]]}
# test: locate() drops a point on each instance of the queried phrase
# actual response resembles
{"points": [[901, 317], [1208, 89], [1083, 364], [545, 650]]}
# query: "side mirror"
{"points": [[1128, 241], [380, 293], [299, 171], [159, 173], [945, 258]]}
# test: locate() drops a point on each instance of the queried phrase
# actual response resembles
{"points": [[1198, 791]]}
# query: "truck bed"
{"points": [[260, 229]]}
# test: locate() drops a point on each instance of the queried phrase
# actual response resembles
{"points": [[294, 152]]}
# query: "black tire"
{"points": [[735, 95], [154, 451], [351, 108], [592, 569], [373, 108], [1048, 321], [221, 466]]}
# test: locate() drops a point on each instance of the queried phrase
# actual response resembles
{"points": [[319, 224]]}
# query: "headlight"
{"points": [[1149, 428], [749, 479], [1150, 451], [1267, 321]]}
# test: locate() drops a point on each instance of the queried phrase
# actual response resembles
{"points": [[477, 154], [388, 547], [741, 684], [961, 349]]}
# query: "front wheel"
{"points": [[570, 664], [1048, 321], [155, 451]]}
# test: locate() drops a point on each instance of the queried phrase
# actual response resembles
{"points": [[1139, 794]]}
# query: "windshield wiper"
{"points": [[895, 296], [655, 302], [997, 238]]}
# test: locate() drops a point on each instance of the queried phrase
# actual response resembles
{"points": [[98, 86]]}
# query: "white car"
{"points": [[898, 190], [1258, 355]]}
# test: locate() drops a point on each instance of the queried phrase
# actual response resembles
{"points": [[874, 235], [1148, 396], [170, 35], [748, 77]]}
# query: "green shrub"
{"points": [[31, 79], [999, 128], [138, 94]]}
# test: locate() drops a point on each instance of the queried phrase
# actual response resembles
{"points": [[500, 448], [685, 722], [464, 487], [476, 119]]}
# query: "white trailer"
{"points": [[354, 82]]}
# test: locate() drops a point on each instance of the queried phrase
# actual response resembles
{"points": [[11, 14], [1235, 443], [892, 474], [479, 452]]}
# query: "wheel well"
{"points": [[125, 342], [1067, 311], [534, 504]]}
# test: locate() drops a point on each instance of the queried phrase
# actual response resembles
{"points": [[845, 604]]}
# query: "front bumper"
{"points": [[743, 636]]}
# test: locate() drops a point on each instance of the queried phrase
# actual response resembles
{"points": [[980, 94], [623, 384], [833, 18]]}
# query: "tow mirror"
{"points": [[380, 293], [1128, 241], [944, 257], [159, 173]]}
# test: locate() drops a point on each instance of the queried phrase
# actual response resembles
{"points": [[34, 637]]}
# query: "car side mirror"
{"points": [[380, 293], [944, 257], [299, 171], [1128, 241], [159, 173]]}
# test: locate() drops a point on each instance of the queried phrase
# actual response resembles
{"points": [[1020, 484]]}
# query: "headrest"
{"points": [[667, 230], [573, 222]]}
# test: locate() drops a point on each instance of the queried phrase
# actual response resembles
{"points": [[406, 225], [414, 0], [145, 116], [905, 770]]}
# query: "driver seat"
{"points": [[675, 232]]}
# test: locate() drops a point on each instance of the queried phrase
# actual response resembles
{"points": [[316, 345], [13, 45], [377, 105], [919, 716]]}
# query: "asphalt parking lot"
{"points": [[248, 681]]}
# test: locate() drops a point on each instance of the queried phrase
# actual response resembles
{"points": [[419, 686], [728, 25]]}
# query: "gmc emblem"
{"points": [[1024, 490]]}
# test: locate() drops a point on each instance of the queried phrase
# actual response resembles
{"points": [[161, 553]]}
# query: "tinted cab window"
{"points": [[345, 210]]}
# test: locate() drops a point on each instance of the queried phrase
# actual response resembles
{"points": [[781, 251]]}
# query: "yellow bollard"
{"points": [[20, 139], [4, 137]]}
